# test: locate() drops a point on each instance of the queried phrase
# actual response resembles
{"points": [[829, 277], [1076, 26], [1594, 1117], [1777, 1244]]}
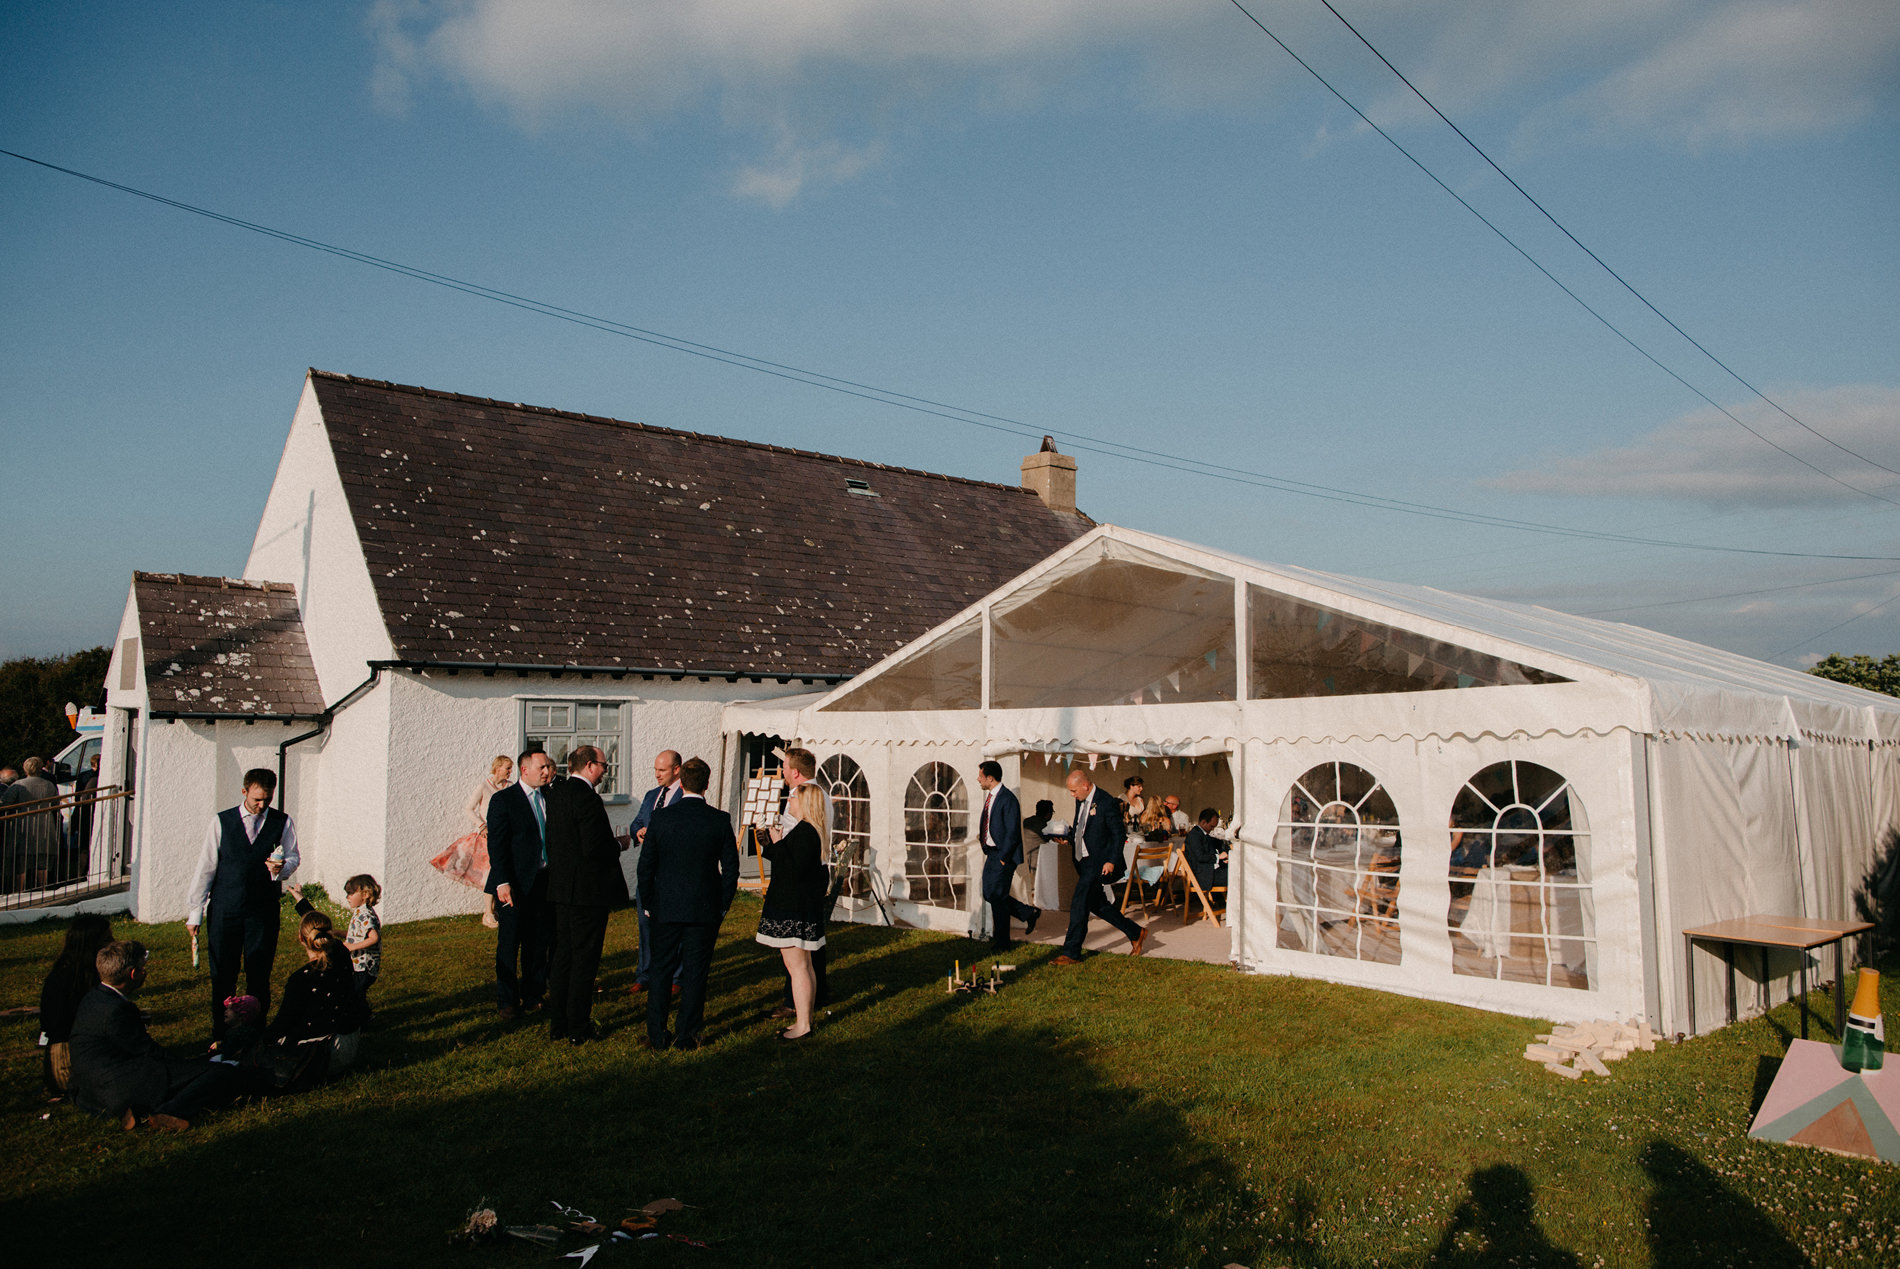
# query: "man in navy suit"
{"points": [[664, 793], [518, 878], [119, 1070], [689, 871], [1099, 835], [584, 883], [999, 830]]}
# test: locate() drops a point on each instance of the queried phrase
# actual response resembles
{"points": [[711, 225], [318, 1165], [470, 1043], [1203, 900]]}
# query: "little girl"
{"points": [[364, 938]]}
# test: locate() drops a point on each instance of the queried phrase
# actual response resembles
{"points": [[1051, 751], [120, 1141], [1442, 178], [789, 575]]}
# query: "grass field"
{"points": [[1127, 1112]]}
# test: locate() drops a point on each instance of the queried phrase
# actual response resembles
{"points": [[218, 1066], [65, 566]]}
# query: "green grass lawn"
{"points": [[1127, 1112]]}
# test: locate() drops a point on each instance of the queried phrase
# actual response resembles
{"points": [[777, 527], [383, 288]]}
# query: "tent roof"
{"points": [[1683, 687]]}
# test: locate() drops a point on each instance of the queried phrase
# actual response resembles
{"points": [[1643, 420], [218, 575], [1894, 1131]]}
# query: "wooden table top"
{"points": [[1778, 931]]}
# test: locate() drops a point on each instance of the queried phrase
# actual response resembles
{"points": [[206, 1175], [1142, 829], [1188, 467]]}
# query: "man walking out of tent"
{"points": [[999, 830], [1098, 836]]}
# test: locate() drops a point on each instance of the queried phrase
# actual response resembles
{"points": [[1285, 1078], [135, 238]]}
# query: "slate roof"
{"points": [[213, 645], [506, 534]]}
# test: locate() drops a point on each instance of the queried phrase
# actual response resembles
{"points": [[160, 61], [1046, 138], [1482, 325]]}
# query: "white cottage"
{"points": [[1450, 797], [438, 579]]}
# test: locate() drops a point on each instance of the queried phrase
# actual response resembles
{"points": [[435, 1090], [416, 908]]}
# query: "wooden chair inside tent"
{"points": [[758, 812], [1376, 890], [1147, 874], [1208, 911]]}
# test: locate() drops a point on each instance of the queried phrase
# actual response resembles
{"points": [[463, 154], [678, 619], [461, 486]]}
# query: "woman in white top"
{"points": [[466, 859]]}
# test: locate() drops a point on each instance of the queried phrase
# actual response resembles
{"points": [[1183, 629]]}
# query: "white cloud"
{"points": [[1704, 457], [1685, 71], [794, 167]]}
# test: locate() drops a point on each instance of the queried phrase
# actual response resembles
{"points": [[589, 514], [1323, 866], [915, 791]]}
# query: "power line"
{"points": [[1888, 603], [1737, 594], [1699, 347], [1535, 264], [923, 405]]}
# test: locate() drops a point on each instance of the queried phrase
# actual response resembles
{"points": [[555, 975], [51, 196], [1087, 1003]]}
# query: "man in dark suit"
{"points": [[584, 882], [119, 1070], [1098, 836], [999, 830], [689, 871], [518, 878], [664, 793]]}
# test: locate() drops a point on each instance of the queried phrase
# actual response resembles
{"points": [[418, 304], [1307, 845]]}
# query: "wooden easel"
{"points": [[759, 810]]}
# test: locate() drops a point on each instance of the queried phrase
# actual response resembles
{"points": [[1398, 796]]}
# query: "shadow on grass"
{"points": [[1766, 1068], [923, 1133], [1696, 1220], [1497, 1225]]}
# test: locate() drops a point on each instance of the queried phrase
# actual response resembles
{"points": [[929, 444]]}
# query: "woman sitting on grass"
{"points": [[73, 975], [793, 916], [321, 1010]]}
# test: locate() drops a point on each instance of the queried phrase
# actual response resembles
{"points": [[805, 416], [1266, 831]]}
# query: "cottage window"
{"points": [[936, 823], [1521, 907], [1338, 844], [560, 726], [850, 793]]}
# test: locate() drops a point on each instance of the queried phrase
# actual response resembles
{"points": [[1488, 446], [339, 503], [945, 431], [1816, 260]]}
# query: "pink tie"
{"points": [[984, 834]]}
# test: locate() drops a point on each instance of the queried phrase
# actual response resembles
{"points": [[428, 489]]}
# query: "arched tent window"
{"points": [[1521, 908], [936, 820], [841, 777], [1338, 844]]}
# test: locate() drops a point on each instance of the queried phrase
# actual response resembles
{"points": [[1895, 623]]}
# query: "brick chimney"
{"points": [[1051, 476]]}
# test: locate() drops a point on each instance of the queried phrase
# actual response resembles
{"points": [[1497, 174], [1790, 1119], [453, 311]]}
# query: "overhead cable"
{"points": [[1545, 212], [1536, 264], [924, 405]]}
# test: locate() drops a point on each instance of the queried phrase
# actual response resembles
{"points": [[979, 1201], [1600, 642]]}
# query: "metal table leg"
{"points": [[1728, 959], [1840, 988], [1804, 994], [1688, 964]]}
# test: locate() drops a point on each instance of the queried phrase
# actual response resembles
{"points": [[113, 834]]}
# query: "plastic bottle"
{"points": [[1864, 1046]]}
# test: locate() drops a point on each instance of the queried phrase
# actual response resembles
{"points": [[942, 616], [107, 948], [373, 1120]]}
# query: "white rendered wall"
{"points": [[352, 782], [308, 536], [445, 729]]}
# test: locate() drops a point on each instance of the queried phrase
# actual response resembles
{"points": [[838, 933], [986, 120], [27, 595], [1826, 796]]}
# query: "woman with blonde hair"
{"points": [[466, 859], [793, 917]]}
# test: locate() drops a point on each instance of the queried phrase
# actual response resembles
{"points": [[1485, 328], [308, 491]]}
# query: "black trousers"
{"points": [[523, 941], [1092, 898], [193, 1086], [684, 949], [239, 938], [579, 934], [997, 877]]}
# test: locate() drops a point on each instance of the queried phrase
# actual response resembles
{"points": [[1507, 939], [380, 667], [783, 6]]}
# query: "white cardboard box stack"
{"points": [[1575, 1047]]}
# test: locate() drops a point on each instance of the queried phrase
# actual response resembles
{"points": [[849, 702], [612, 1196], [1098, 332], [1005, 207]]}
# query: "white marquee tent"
{"points": [[1487, 803]]}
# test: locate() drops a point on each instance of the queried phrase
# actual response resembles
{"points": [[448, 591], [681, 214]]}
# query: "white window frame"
{"points": [[617, 786]]}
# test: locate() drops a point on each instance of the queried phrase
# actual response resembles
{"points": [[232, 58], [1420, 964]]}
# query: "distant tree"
{"points": [[1861, 670], [33, 696]]}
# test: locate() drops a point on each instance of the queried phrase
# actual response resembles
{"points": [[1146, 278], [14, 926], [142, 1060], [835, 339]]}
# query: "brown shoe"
{"points": [[1065, 959], [636, 989], [784, 1011], [508, 1013], [171, 1123], [128, 1120], [1139, 945]]}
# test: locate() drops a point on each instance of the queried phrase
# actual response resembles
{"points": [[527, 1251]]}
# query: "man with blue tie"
{"points": [[518, 878], [999, 831], [665, 792], [1099, 836]]}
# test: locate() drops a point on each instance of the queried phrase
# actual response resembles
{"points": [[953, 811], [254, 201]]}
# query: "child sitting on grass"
{"points": [[364, 938]]}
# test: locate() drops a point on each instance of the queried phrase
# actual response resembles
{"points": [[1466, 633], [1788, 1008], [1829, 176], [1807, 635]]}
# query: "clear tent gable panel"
{"points": [[1306, 649], [1117, 631], [944, 674]]}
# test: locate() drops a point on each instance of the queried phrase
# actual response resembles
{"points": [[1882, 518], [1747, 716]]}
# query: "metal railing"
{"points": [[61, 849]]}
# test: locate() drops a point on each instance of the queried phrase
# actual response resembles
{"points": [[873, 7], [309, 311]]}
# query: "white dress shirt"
{"points": [[200, 893]]}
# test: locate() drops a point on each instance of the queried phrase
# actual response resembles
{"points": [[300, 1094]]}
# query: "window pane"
{"points": [[586, 717], [1339, 844], [945, 675], [1521, 908], [936, 822], [1302, 649], [1117, 632], [850, 793]]}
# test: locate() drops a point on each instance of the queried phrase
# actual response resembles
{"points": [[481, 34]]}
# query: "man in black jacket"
{"points": [[518, 878], [584, 882], [118, 1069], [689, 871], [1099, 836]]}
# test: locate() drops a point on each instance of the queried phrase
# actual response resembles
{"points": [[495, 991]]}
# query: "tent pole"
{"points": [[1642, 768]]}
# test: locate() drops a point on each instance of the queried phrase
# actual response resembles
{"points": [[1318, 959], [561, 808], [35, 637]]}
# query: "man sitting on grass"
{"points": [[119, 1070]]}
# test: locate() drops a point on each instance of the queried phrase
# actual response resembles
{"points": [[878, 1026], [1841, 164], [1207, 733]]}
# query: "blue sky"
{"points": [[1138, 222]]}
